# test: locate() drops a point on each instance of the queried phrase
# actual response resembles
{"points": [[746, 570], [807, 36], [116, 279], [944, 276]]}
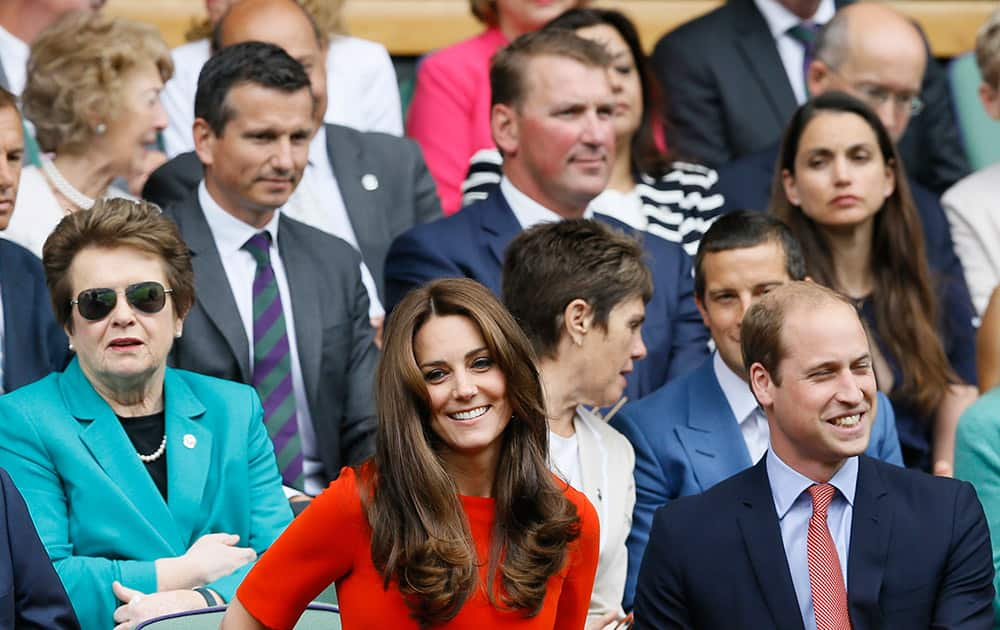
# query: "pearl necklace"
{"points": [[65, 188], [155, 455]]}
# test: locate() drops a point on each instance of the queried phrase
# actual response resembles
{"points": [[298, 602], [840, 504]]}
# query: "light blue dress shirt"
{"points": [[793, 504]]}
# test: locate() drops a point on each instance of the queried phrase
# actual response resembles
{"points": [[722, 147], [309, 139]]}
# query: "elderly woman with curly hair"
{"points": [[93, 93], [456, 522]]}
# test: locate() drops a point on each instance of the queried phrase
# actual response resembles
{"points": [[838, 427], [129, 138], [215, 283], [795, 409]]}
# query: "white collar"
{"points": [[779, 19], [736, 390], [15, 59], [318, 156], [787, 484], [228, 232], [527, 211]]}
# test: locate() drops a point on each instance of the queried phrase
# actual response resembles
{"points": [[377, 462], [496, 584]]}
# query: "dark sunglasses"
{"points": [[96, 304]]}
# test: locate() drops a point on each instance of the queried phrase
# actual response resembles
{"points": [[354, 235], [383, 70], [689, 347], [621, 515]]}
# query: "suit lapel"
{"points": [[760, 54], [16, 293], [712, 437], [210, 278], [189, 454], [499, 226], [305, 304], [348, 169], [762, 539], [110, 447], [869, 547]]}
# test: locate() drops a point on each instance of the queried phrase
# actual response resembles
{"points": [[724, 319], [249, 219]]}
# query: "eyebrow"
{"points": [[833, 363], [468, 354]]}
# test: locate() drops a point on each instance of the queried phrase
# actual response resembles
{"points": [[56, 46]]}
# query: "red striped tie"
{"points": [[825, 579]]}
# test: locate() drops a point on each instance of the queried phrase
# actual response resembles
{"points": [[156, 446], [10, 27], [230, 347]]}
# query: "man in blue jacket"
{"points": [[702, 428]]}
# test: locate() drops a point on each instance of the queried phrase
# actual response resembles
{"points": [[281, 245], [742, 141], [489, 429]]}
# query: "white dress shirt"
{"points": [[230, 234], [14, 56], [527, 211], [779, 20], [564, 459], [752, 421]]}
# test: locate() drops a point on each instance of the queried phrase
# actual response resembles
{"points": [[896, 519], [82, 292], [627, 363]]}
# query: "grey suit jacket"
{"points": [[383, 179], [330, 311]]}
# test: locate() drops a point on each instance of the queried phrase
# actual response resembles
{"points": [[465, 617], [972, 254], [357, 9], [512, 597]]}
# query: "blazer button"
{"points": [[190, 440], [369, 182]]}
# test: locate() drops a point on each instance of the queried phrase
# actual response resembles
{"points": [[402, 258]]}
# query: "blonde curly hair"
{"points": [[77, 73]]}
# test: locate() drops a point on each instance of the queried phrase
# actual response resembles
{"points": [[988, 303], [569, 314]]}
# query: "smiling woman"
{"points": [[455, 522], [98, 449]]}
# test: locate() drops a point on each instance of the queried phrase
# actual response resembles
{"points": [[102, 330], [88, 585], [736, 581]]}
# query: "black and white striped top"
{"points": [[678, 206]]}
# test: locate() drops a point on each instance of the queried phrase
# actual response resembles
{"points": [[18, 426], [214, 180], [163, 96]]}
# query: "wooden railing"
{"points": [[413, 27]]}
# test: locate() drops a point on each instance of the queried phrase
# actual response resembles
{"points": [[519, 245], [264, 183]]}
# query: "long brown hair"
{"points": [[420, 536], [906, 309]]}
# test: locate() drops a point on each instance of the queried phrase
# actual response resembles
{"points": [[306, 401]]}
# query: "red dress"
{"points": [[331, 542]]}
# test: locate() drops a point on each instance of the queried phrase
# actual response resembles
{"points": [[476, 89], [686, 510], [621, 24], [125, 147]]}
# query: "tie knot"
{"points": [[822, 494], [805, 33], [259, 246]]}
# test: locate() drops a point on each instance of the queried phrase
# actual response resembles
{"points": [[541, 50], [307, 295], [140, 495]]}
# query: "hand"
{"points": [[138, 606], [610, 621], [943, 468], [216, 555]]}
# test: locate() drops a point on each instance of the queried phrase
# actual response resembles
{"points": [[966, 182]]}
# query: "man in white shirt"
{"points": [[280, 304], [706, 426], [552, 121]]}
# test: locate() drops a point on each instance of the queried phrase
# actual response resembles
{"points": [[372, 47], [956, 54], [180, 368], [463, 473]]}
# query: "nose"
{"points": [[122, 314], [892, 117], [160, 120], [841, 170], [850, 390], [282, 158], [638, 347], [746, 301], [465, 386], [617, 85], [8, 175]]}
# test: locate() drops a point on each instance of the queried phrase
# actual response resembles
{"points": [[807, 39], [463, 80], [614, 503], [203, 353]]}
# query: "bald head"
{"points": [[283, 23], [875, 53]]}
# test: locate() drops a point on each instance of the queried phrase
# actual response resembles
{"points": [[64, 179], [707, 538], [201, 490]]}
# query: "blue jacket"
{"points": [[471, 243], [96, 507], [686, 440]]}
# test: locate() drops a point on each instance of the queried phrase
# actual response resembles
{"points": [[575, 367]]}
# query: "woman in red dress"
{"points": [[456, 521]]}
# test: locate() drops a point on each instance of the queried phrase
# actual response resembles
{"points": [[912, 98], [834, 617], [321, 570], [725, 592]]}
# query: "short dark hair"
{"points": [[747, 228], [258, 63], [548, 266], [508, 68], [760, 332]]}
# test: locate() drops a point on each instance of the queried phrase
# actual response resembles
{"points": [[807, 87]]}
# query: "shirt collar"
{"points": [[788, 484], [228, 232], [527, 211], [779, 19], [736, 390], [318, 156]]}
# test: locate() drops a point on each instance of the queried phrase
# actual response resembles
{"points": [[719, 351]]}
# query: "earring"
{"points": [[100, 129], [71, 348]]}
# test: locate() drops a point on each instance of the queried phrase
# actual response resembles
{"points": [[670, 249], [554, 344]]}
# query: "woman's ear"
{"points": [[890, 179], [578, 319], [791, 190]]}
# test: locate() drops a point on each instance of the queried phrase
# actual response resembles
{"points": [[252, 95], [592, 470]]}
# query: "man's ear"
{"points": [[578, 320], [990, 98], [698, 302], [762, 385], [505, 129], [817, 76], [204, 140]]}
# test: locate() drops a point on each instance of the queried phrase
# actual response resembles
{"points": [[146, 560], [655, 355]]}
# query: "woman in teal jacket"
{"points": [[153, 489]]}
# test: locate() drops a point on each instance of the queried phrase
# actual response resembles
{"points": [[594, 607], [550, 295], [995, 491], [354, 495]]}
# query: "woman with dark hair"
{"points": [[648, 189], [456, 521], [842, 190]]}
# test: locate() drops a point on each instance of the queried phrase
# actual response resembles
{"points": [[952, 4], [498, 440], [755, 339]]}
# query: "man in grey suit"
{"points": [[365, 187], [280, 305]]}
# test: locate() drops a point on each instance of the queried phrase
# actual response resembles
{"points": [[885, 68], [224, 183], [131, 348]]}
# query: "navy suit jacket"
{"points": [[746, 184], [33, 344], [729, 96], [471, 243], [919, 557], [686, 440], [31, 595]]}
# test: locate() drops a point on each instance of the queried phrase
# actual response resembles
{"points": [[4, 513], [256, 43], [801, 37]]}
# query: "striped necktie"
{"points": [[272, 373], [825, 579], [805, 33]]}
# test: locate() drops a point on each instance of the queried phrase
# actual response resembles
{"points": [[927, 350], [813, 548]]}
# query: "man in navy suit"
{"points": [[871, 544], [735, 75], [850, 58], [552, 121], [706, 426], [31, 343]]}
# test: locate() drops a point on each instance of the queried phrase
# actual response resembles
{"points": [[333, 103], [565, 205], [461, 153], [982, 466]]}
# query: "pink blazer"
{"points": [[449, 115]]}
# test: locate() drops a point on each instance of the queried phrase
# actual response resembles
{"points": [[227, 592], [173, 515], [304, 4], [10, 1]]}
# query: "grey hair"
{"points": [[832, 41], [988, 50]]}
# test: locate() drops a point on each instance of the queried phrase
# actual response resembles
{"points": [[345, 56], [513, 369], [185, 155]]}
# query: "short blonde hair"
{"points": [[486, 10], [77, 74], [988, 50]]}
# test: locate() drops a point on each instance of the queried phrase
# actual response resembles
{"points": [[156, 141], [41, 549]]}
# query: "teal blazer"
{"points": [[95, 506]]}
